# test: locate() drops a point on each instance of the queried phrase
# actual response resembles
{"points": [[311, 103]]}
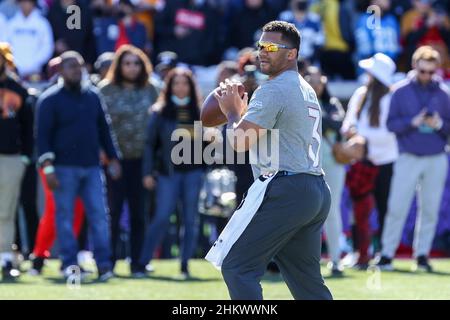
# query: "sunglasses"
{"points": [[430, 72], [129, 63], [270, 46]]}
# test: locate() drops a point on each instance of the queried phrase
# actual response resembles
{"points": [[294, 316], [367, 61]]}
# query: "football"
{"points": [[210, 113]]}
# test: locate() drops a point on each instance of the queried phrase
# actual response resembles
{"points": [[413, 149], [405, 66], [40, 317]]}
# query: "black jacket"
{"points": [[201, 45], [159, 146], [16, 119], [73, 126]]}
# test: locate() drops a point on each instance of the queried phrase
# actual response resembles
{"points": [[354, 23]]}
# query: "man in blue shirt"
{"points": [[72, 128]]}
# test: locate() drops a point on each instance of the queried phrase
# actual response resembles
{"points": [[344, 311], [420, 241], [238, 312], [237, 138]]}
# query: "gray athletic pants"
{"points": [[287, 228], [425, 175]]}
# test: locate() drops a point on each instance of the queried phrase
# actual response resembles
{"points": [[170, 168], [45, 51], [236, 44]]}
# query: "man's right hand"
{"points": [[418, 119], [52, 181]]}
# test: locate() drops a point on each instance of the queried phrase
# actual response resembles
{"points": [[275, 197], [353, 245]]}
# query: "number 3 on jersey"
{"points": [[314, 156]]}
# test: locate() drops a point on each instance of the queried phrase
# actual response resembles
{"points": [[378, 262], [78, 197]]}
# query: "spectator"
{"points": [[226, 69], [177, 108], [104, 26], [336, 56], [72, 126], [9, 8], [190, 29], [360, 181], [28, 200], [79, 39], [425, 25], [31, 39], [101, 7], [51, 71], [399, 7], [310, 27], [145, 13], [28, 187], [16, 145], [101, 66], [367, 113], [113, 29], [246, 56], [420, 118], [131, 31], [165, 61], [128, 95], [303, 66], [378, 36], [46, 231], [332, 116], [246, 23]]}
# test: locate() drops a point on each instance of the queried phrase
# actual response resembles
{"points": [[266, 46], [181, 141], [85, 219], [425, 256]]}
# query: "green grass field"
{"points": [[207, 283]]}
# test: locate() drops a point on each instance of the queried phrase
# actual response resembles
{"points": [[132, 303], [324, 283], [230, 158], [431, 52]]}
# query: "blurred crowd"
{"points": [[90, 96], [205, 32]]}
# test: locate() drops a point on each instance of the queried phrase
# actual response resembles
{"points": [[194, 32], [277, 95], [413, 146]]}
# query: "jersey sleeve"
{"points": [[264, 108]]}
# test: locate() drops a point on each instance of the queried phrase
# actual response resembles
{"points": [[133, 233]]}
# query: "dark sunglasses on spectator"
{"points": [[430, 72], [129, 63]]}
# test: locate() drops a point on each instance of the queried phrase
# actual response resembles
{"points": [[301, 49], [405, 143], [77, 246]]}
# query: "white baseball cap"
{"points": [[381, 67]]}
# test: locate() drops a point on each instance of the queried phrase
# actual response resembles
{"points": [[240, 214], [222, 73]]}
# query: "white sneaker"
{"points": [[149, 267], [85, 257]]}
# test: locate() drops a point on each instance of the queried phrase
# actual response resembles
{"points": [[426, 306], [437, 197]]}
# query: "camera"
{"points": [[428, 114]]}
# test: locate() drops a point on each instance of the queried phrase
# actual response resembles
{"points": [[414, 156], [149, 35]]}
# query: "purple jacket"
{"points": [[408, 99]]}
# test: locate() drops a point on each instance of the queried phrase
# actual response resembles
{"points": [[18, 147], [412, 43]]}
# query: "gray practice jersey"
{"points": [[288, 107]]}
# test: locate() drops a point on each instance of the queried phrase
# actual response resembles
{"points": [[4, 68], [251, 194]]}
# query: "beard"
{"points": [[73, 85], [265, 70]]}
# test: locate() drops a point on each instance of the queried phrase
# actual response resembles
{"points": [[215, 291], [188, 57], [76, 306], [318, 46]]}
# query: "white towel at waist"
{"points": [[239, 221]]}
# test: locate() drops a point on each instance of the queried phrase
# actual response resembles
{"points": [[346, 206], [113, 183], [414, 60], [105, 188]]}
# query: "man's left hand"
{"points": [[434, 122]]}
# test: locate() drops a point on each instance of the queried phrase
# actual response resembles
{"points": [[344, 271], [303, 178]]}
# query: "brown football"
{"points": [[210, 113]]}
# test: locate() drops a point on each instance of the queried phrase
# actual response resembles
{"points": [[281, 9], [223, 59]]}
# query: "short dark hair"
{"points": [[70, 55], [288, 32]]}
